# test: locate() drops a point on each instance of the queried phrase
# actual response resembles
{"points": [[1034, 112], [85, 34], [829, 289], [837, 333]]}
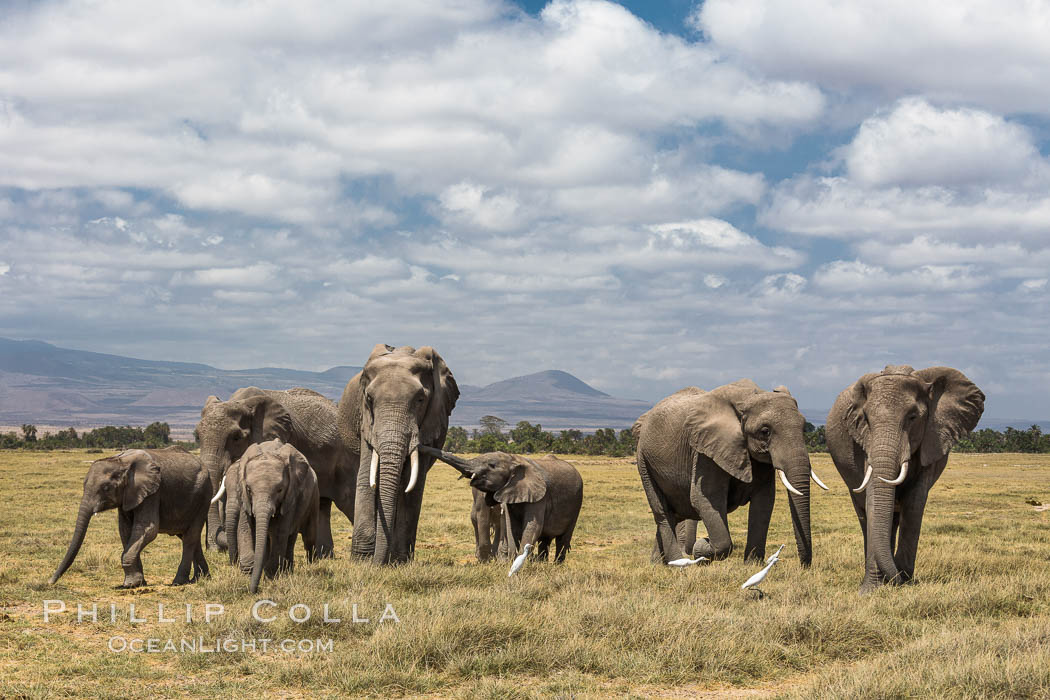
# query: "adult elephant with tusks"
{"points": [[889, 434], [400, 400], [703, 454]]}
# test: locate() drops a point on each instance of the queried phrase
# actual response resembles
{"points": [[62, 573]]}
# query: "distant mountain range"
{"points": [[45, 384]]}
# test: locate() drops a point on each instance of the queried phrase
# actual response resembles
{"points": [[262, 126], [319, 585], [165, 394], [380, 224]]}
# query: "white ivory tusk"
{"points": [[373, 472], [817, 481], [222, 490], [864, 484], [900, 477], [415, 470], [789, 487]]}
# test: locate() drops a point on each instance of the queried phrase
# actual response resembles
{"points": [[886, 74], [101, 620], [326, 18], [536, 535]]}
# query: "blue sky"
{"points": [[647, 195]]}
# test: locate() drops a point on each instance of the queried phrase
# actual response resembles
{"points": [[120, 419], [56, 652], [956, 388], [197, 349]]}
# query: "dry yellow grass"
{"points": [[606, 623]]}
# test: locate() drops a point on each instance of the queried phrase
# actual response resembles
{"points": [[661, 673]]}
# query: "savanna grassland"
{"points": [[606, 623]]}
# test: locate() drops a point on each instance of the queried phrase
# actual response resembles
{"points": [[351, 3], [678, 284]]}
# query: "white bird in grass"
{"points": [[758, 578], [520, 560], [776, 554], [686, 561]]}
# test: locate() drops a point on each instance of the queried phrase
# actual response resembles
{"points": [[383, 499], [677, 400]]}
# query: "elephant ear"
{"points": [[351, 405], [526, 484], [143, 477], [443, 399], [956, 404], [714, 430], [240, 467], [295, 466], [269, 418], [857, 397]]}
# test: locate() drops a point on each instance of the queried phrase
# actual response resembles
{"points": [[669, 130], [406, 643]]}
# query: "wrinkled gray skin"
{"points": [[156, 491], [300, 417], [541, 497], [400, 401], [702, 455], [487, 519], [272, 498], [885, 419]]}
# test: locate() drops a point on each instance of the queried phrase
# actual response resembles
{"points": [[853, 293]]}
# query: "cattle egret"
{"points": [[520, 560], [758, 578], [686, 561], [776, 554]]}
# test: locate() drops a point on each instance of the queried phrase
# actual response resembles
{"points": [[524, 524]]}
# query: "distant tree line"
{"points": [[985, 440], [527, 438], [153, 435]]}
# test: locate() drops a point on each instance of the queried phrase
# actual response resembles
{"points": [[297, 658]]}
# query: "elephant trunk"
{"points": [[391, 464], [795, 470], [263, 511], [461, 465], [885, 461], [216, 460], [83, 516]]}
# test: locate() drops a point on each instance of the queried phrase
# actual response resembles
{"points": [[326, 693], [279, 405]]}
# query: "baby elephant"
{"points": [[271, 497], [541, 497], [155, 491]]}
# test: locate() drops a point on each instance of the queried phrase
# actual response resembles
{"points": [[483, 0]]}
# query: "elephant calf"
{"points": [[487, 517], [271, 497], [155, 491], [541, 498]]}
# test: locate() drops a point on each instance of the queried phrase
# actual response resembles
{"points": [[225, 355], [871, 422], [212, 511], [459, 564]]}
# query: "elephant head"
{"points": [[905, 421], [405, 397], [123, 481], [508, 478], [269, 480], [738, 425], [227, 428]]}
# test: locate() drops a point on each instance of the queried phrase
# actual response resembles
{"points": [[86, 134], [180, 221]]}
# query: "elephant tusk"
{"points": [[789, 487], [222, 490], [817, 481], [900, 477], [414, 474], [864, 484], [373, 471]]}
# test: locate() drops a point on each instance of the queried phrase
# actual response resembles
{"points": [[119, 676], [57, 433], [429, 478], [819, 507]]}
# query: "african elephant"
{"points": [[156, 491], [702, 455], [487, 519], [400, 401], [541, 497], [300, 417], [897, 425], [272, 494]]}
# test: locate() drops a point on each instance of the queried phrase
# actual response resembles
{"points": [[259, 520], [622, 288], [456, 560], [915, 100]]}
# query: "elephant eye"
{"points": [[764, 431]]}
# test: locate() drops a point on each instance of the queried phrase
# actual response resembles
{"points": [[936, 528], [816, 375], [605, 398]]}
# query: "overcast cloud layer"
{"points": [[794, 192]]}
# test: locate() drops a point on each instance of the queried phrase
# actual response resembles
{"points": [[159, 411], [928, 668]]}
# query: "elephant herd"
{"points": [[272, 463]]}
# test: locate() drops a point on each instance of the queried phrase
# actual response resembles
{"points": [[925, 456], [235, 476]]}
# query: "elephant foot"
{"points": [[869, 585], [133, 582], [182, 581]]}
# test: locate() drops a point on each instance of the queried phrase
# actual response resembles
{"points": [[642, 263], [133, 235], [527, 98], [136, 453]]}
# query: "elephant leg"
{"points": [[531, 525], [363, 545], [310, 537], [408, 521], [143, 531], [668, 546], [479, 518], [913, 505], [543, 549], [563, 544], [182, 575], [759, 513], [200, 564], [710, 499], [325, 545], [685, 531]]}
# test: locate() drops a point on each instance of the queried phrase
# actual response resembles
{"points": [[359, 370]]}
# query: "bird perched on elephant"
{"points": [[486, 515], [154, 491], [398, 403], [299, 417], [889, 434], [272, 497], [541, 497], [702, 454]]}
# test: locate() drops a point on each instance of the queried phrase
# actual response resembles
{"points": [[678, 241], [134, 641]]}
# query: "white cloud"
{"points": [[854, 276], [989, 53]]}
